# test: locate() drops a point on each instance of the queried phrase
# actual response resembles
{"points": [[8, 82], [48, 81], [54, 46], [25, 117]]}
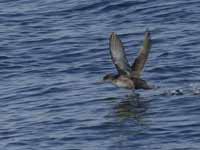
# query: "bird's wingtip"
{"points": [[113, 34], [147, 32]]}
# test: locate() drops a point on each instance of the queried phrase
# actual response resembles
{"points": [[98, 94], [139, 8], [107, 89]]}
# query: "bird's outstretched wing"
{"points": [[140, 61], [118, 55]]}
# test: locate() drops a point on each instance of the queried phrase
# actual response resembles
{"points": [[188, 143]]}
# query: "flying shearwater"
{"points": [[128, 77]]}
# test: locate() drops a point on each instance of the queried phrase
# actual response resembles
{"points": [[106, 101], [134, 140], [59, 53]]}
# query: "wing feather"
{"points": [[140, 61], [118, 55]]}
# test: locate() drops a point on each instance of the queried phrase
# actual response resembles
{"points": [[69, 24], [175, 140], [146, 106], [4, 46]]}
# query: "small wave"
{"points": [[172, 92], [191, 89], [195, 88]]}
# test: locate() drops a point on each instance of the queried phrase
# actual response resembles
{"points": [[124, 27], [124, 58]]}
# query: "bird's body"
{"points": [[128, 77], [123, 81], [127, 82]]}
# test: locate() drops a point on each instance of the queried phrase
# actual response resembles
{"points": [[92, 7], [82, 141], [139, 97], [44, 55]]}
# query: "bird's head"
{"points": [[109, 78]]}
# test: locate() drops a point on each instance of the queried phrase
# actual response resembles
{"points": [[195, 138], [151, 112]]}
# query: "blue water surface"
{"points": [[53, 53]]}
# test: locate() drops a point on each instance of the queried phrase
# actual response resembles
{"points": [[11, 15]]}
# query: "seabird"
{"points": [[128, 77]]}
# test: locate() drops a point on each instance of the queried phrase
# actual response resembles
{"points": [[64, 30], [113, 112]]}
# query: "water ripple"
{"points": [[53, 54]]}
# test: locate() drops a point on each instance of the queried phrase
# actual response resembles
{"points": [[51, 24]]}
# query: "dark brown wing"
{"points": [[118, 55], [140, 61]]}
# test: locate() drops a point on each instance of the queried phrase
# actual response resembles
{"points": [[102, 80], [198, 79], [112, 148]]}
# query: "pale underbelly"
{"points": [[124, 85]]}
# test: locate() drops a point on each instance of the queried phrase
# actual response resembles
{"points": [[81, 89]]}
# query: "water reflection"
{"points": [[130, 114], [131, 107]]}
